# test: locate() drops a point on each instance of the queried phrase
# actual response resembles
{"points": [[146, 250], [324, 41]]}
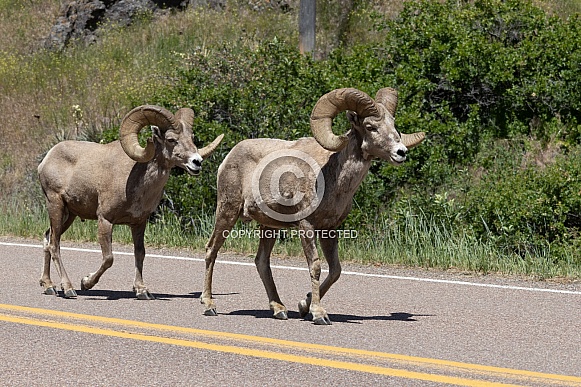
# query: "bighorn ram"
{"points": [[116, 183], [307, 184]]}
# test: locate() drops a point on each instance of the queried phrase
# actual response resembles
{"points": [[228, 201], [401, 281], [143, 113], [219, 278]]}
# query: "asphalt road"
{"points": [[393, 327]]}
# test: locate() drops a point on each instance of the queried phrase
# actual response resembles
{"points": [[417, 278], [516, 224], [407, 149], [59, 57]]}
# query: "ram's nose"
{"points": [[399, 156], [194, 165]]}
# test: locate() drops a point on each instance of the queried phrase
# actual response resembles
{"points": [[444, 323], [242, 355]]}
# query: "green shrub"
{"points": [[486, 80], [244, 93], [527, 206]]}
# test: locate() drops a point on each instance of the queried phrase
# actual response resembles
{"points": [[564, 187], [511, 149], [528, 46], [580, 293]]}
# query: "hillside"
{"points": [[494, 83], [41, 92]]}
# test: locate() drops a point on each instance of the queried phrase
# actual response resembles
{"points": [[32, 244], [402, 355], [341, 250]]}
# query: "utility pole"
{"points": [[307, 17]]}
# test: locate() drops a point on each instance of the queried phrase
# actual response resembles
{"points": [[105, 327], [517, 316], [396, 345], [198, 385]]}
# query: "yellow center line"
{"points": [[254, 353], [506, 372]]}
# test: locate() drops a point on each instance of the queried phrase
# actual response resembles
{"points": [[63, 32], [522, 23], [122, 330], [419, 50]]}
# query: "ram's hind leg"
{"points": [[212, 247], [262, 262], [60, 221], [226, 216], [45, 280]]}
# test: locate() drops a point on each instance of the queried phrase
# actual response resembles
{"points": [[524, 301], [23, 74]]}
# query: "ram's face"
{"points": [[179, 150], [380, 138]]}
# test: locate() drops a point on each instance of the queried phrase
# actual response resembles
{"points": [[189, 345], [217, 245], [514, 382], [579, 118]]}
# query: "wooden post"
{"points": [[307, 17]]}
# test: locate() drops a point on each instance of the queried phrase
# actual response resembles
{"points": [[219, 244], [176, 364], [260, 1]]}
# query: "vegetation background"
{"points": [[496, 187]]}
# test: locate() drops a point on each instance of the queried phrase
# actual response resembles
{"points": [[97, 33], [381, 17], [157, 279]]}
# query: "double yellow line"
{"points": [[471, 374]]}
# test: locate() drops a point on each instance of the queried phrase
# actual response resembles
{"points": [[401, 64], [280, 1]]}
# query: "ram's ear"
{"points": [[156, 134], [353, 118]]}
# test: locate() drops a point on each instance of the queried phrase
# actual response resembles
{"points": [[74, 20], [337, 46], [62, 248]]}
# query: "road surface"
{"points": [[391, 327]]}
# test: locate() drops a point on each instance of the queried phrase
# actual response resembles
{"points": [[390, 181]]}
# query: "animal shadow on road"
{"points": [[335, 318], [261, 313], [100, 295], [397, 316]]}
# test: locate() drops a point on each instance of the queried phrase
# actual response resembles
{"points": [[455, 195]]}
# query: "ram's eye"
{"points": [[370, 127], [171, 140]]}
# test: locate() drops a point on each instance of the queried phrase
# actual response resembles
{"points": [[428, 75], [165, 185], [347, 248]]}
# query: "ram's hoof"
{"points": [[51, 291], [84, 284], [210, 312], [70, 293], [303, 308], [322, 321], [282, 315], [145, 295]]}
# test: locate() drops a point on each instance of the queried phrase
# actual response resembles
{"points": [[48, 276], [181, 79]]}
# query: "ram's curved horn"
{"points": [[332, 104], [388, 98], [412, 140], [136, 120], [208, 149], [186, 115]]}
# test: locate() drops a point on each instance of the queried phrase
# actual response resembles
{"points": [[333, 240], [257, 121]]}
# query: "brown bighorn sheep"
{"points": [[115, 183], [307, 184]]}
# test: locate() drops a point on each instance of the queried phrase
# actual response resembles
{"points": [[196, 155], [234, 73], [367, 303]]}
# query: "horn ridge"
{"points": [[186, 116], [136, 120], [388, 98], [413, 139], [329, 106]]}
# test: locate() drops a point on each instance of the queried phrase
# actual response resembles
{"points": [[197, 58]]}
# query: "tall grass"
{"points": [[423, 241], [417, 240], [46, 97]]}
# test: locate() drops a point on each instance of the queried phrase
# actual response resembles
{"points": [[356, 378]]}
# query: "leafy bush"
{"points": [[488, 80], [244, 93], [472, 74], [525, 207]]}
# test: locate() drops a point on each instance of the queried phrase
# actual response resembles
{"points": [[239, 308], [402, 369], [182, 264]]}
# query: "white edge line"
{"points": [[395, 277]]}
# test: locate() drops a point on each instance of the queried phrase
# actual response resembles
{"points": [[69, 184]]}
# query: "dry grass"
{"points": [[46, 97], [25, 23], [562, 8]]}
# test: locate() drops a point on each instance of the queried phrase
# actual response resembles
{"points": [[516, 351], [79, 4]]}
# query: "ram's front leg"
{"points": [[104, 234], [331, 252], [319, 314], [141, 292]]}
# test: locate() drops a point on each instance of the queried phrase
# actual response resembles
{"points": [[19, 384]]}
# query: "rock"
{"points": [[83, 20], [212, 4]]}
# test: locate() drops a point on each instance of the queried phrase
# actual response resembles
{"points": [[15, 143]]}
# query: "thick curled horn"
{"points": [[186, 116], [136, 120], [388, 98], [412, 140], [208, 149], [332, 104]]}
